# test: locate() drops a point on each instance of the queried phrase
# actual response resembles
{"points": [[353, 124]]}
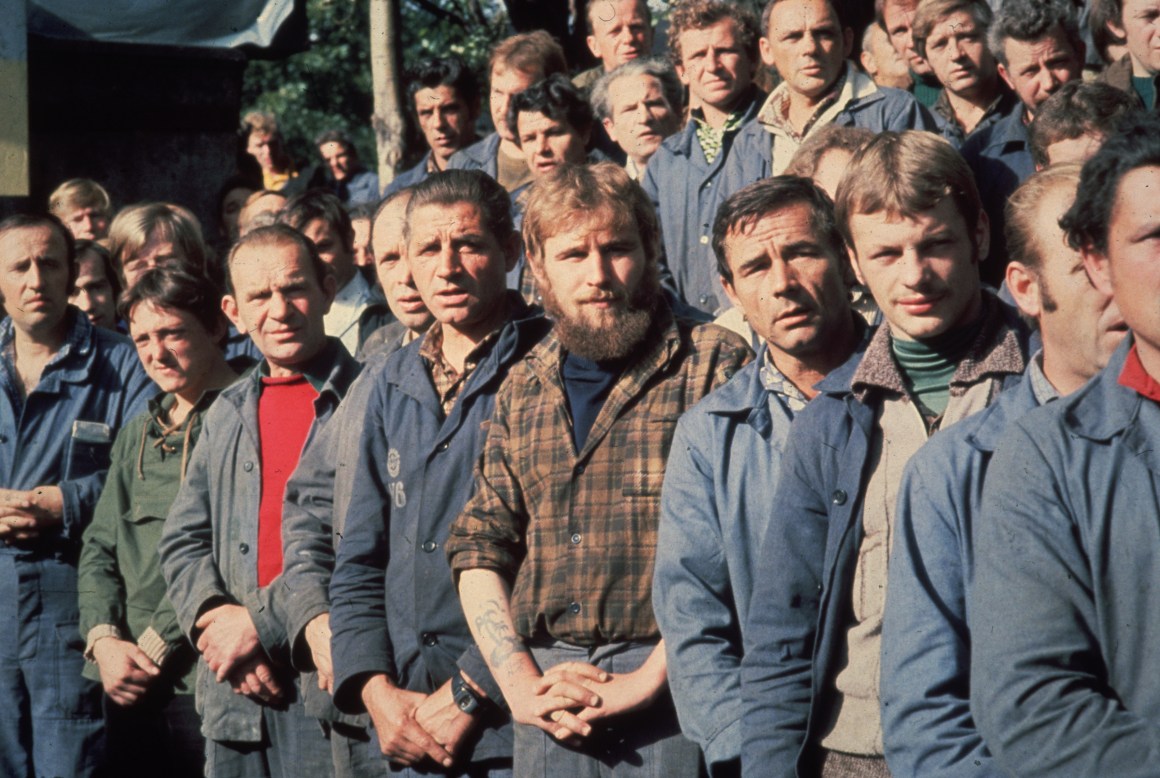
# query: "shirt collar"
{"points": [[1041, 387], [775, 113], [995, 351], [1137, 378], [774, 381]]}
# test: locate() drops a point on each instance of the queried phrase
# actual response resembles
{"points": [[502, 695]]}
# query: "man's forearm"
{"points": [[486, 602]]}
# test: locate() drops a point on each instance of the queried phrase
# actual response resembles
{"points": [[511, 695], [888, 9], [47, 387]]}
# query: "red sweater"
{"points": [[285, 413]]}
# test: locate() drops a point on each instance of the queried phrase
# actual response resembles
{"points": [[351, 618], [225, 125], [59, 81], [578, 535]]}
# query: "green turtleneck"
{"points": [[929, 364]]}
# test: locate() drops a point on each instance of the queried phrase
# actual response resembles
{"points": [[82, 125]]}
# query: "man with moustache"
{"points": [[910, 213], [221, 548], [1062, 658], [554, 553], [926, 636], [67, 387], [784, 265]]}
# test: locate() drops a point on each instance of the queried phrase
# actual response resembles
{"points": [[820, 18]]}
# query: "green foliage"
{"points": [[330, 84]]}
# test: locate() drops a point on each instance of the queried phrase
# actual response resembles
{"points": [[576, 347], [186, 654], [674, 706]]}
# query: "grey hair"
{"points": [[659, 69], [1029, 20]]}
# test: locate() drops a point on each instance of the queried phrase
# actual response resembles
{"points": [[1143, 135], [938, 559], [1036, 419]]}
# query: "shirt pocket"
{"points": [[89, 447], [643, 448]]}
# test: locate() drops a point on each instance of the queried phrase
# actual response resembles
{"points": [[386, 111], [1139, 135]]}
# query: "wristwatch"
{"points": [[465, 697]]}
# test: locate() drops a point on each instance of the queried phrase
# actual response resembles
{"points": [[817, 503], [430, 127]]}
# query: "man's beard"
{"points": [[613, 334]]}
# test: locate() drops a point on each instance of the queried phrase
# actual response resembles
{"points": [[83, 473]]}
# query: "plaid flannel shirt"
{"points": [[575, 532]]}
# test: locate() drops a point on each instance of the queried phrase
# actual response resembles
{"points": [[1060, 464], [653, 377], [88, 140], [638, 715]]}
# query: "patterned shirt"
{"points": [[448, 382], [575, 533], [775, 381], [775, 113], [712, 139]]}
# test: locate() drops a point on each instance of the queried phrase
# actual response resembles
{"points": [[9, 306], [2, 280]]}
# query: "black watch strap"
{"points": [[465, 697]]}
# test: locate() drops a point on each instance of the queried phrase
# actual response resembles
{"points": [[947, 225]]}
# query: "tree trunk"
{"points": [[388, 121]]}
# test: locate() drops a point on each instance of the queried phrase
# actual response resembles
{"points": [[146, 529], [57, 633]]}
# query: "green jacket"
{"points": [[120, 588]]}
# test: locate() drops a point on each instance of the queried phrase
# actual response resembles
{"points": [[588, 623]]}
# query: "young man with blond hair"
{"points": [[910, 213]]}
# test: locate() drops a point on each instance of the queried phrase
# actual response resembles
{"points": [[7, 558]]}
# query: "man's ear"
{"points": [[1098, 268], [1023, 284], [608, 128], [731, 292], [230, 309], [511, 253], [329, 290], [766, 49], [1003, 74], [983, 235], [1116, 27], [855, 268], [591, 41]]}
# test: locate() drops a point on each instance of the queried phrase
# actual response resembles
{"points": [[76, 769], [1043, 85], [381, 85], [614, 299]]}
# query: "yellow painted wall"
{"points": [[13, 128]]}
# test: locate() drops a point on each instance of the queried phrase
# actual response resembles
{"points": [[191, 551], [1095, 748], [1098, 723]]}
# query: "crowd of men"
{"points": [[675, 427]]}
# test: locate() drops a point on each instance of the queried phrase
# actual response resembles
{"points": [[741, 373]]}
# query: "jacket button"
{"points": [[444, 446], [429, 546], [244, 548], [579, 469], [248, 466], [574, 607], [839, 497], [728, 373], [704, 240], [430, 639], [576, 538]]}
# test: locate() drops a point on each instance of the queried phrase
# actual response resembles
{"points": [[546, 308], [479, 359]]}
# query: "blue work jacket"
{"points": [[925, 681], [62, 432], [1065, 676], [879, 110], [480, 155], [715, 502], [1000, 157], [802, 598], [393, 604], [209, 547], [409, 177], [685, 190]]}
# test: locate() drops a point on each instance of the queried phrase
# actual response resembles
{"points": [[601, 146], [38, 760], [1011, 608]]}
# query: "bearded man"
{"points": [[554, 552]]}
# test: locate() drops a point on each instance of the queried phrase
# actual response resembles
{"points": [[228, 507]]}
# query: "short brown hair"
{"points": [[1023, 241], [79, 193], [931, 12], [806, 159], [905, 174], [574, 189], [700, 14], [134, 226], [1077, 109], [528, 52]]}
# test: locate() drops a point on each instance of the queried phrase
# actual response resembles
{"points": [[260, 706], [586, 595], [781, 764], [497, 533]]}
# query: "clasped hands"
{"points": [[229, 644]]}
